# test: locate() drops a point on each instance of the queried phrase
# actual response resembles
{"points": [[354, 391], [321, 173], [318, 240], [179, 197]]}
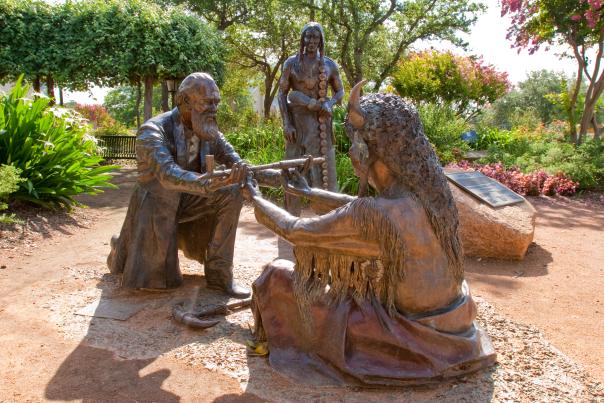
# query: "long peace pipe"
{"points": [[284, 164]]}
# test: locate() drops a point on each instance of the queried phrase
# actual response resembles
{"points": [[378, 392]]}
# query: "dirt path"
{"points": [[559, 286], [48, 353]]}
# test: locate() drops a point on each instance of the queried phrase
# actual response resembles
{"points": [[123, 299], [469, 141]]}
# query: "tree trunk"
{"points": [[268, 97], [138, 104], [37, 84], [148, 106], [594, 124], [165, 97], [50, 89], [61, 96]]}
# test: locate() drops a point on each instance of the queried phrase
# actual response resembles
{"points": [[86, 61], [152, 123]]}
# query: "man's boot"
{"points": [[219, 280]]}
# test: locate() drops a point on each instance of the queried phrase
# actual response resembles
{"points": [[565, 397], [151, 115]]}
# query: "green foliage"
{"points": [[50, 146], [464, 83], [9, 183], [236, 109], [104, 42], [538, 98], [120, 102], [577, 25], [444, 128], [368, 37], [260, 144], [547, 150], [116, 129]]}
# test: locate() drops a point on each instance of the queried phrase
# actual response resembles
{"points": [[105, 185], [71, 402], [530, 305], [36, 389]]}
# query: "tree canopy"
{"points": [[368, 37], [465, 83], [104, 42], [579, 25]]}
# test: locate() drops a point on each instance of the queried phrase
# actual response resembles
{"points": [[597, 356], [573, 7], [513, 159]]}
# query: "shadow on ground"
{"points": [[107, 364]]}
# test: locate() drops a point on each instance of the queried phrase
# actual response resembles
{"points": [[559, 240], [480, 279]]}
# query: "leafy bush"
{"points": [[9, 183], [260, 144], [465, 84], [116, 129], [50, 146], [532, 184], [96, 115], [444, 128], [547, 151]]}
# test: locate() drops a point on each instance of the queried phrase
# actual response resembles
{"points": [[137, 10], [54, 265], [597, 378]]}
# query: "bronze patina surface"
{"points": [[306, 109], [376, 295], [174, 205]]}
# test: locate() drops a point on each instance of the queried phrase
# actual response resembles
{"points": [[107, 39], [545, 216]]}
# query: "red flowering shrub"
{"points": [[97, 115], [531, 184]]}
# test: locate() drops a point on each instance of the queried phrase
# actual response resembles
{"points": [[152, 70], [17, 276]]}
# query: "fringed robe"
{"points": [[370, 301]]}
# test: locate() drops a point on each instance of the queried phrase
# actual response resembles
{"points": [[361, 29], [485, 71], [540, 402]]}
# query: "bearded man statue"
{"points": [[376, 295], [174, 206]]}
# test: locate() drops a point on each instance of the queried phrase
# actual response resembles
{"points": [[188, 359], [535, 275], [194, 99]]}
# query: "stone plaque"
{"points": [[484, 188]]}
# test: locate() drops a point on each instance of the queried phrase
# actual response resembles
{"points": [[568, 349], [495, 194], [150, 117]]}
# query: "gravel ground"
{"points": [[529, 368]]}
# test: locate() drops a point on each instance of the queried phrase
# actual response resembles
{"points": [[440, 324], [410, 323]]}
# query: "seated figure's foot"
{"points": [[232, 289]]}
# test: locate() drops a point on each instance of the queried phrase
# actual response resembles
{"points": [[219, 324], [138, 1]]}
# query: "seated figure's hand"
{"points": [[295, 183], [250, 189]]}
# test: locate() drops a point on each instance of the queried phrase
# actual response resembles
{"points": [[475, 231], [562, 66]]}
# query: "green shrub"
{"points": [[546, 151], [444, 128], [116, 129], [9, 183], [50, 146], [260, 144]]}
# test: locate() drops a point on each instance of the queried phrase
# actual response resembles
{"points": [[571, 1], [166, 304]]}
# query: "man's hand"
{"points": [[290, 133], [238, 176]]}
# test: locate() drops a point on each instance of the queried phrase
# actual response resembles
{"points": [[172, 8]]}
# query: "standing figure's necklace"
{"points": [[310, 82]]}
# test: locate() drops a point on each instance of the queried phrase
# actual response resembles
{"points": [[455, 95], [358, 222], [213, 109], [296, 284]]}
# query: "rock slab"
{"points": [[503, 233]]}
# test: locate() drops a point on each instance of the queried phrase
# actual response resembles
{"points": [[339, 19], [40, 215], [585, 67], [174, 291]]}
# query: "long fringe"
{"points": [[332, 277]]}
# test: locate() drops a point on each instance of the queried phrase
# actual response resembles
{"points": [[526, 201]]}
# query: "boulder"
{"points": [[503, 232]]}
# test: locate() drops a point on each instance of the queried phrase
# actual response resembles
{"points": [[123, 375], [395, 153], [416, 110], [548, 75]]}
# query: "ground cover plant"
{"points": [[50, 147], [544, 149], [9, 183]]}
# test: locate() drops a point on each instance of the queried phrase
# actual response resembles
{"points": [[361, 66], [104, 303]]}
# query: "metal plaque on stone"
{"points": [[484, 188]]}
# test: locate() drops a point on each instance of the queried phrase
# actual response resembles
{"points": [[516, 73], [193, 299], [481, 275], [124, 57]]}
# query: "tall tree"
{"points": [[265, 43], [579, 25], [370, 36], [222, 13], [105, 42]]}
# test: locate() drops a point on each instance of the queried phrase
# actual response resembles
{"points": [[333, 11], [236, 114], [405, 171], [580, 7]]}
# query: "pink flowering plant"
{"points": [[529, 184], [464, 83]]}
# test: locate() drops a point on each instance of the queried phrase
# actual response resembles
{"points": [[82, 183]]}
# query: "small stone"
{"points": [[323, 150], [323, 142]]}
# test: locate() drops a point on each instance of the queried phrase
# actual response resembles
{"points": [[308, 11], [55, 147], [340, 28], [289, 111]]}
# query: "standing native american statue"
{"points": [[306, 109], [377, 293]]}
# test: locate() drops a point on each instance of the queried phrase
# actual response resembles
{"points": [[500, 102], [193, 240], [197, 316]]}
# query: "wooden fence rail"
{"points": [[118, 147]]}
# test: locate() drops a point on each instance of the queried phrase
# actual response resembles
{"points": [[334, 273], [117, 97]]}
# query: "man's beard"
{"points": [[204, 126]]}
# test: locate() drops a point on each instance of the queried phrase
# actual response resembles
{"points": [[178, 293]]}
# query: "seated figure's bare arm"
{"points": [[321, 201], [334, 231]]}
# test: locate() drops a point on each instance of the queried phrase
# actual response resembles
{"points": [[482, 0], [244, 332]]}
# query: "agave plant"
{"points": [[50, 147]]}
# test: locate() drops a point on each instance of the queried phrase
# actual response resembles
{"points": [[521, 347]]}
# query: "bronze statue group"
{"points": [[376, 294]]}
